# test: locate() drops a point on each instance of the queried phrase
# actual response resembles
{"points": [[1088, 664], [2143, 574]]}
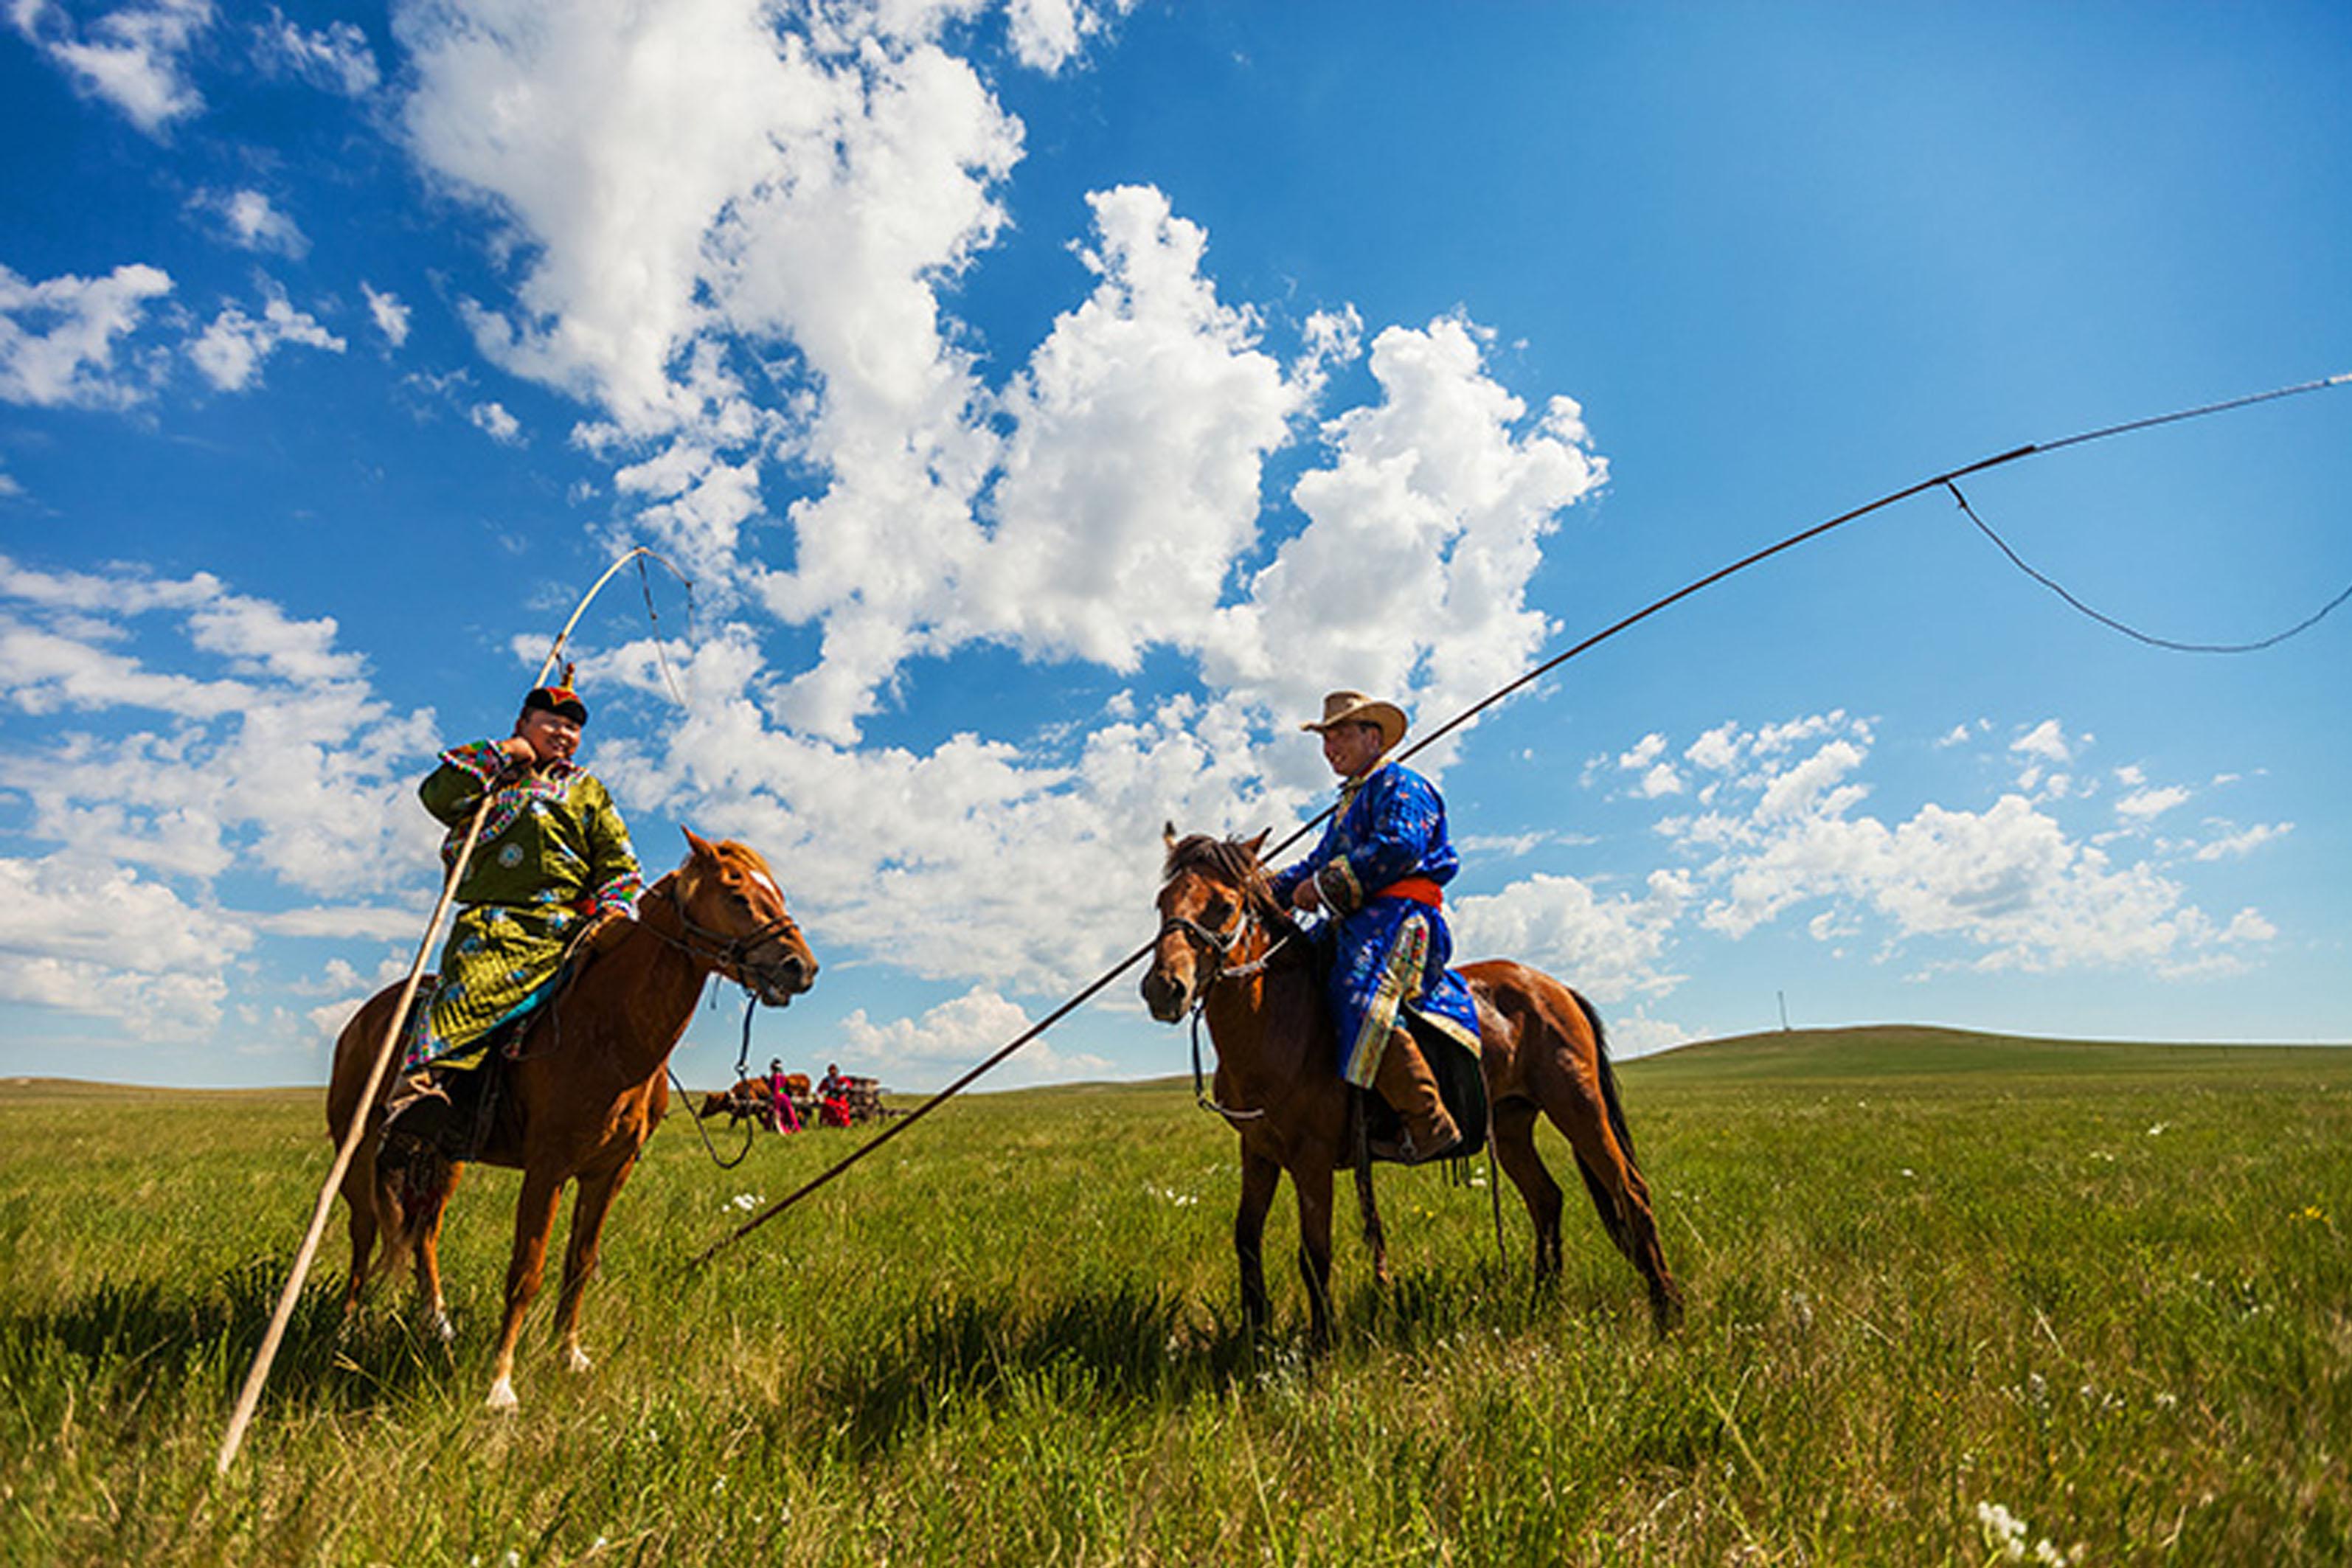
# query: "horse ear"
{"points": [[701, 847], [1168, 834], [1256, 846]]}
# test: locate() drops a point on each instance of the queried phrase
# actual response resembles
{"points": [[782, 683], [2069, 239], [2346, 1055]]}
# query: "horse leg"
{"points": [[1313, 1184], [1582, 1115], [534, 1218], [1260, 1177], [428, 1264], [588, 1212], [1514, 1133], [358, 1198], [1376, 1237]]}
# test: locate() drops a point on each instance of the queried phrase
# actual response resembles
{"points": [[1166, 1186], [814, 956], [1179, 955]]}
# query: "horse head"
{"points": [[736, 921], [1212, 892]]}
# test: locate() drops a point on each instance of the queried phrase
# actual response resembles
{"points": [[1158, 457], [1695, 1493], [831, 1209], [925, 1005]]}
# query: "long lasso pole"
{"points": [[249, 1397], [1945, 478]]}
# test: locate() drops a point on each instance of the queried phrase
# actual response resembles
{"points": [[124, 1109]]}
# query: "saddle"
{"points": [[457, 1117], [1461, 1084]]}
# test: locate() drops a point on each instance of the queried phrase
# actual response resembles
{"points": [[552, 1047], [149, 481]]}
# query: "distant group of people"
{"points": [[832, 1100]]}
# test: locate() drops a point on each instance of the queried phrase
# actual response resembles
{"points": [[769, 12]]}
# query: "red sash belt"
{"points": [[1420, 889]]}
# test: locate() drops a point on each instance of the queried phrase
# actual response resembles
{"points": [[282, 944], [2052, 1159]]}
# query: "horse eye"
{"points": [[1216, 912]]}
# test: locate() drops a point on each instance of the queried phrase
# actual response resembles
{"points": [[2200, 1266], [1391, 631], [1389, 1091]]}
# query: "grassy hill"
{"points": [[1908, 1050]]}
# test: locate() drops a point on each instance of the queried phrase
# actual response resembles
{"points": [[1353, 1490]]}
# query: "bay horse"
{"points": [[583, 1093], [1226, 946]]}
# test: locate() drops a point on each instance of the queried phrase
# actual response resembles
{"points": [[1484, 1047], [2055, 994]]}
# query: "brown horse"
{"points": [[584, 1091], [749, 1098], [1226, 946]]}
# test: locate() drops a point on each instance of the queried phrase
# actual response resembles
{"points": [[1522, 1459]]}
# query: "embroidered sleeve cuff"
{"points": [[617, 897], [1336, 882], [480, 758]]}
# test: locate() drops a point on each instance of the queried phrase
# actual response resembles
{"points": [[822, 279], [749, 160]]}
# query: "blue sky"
{"points": [[1050, 400]]}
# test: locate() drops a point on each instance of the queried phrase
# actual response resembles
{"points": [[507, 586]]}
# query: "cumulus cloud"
{"points": [[231, 351], [275, 757], [103, 939], [1612, 949], [133, 57], [2145, 806], [391, 317], [2008, 881], [917, 1052], [493, 420], [251, 220], [58, 337], [333, 58]]}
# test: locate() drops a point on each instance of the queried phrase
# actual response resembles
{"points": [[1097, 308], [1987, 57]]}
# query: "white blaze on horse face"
{"points": [[763, 880]]}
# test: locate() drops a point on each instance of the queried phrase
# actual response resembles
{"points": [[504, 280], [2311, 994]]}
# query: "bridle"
{"points": [[1217, 948], [731, 955]]}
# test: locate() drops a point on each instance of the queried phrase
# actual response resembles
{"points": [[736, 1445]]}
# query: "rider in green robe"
{"points": [[552, 861]]}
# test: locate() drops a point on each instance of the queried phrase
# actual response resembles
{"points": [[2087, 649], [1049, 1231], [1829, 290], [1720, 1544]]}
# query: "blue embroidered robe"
{"points": [[553, 857], [1389, 951]]}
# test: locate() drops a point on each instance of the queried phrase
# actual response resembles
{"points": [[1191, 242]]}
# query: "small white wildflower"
{"points": [[2159, 1129], [1907, 1171], [2003, 1531], [747, 1202], [2166, 1399]]}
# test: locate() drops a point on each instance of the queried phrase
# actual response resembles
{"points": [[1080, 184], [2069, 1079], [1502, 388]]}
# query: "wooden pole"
{"points": [[249, 1397]]}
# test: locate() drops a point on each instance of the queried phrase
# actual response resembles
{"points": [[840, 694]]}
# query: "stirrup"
{"points": [[1402, 1152]]}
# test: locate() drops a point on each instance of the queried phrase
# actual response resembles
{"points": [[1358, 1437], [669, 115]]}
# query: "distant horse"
{"points": [[584, 1093], [1226, 945], [749, 1098]]}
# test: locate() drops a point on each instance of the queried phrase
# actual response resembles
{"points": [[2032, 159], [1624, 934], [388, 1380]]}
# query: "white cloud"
{"points": [[1047, 34], [2008, 881], [2145, 806], [254, 222], [335, 58], [2241, 842], [1609, 949], [58, 338], [133, 57], [391, 317], [1130, 483], [2047, 740], [279, 760], [103, 940], [958, 1032], [1718, 750], [493, 420], [230, 351]]}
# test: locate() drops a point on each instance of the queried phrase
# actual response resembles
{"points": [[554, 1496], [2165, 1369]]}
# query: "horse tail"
{"points": [[1611, 1219]]}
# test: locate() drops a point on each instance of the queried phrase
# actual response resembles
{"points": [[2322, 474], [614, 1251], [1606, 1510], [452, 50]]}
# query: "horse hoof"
{"points": [[575, 1359], [502, 1396]]}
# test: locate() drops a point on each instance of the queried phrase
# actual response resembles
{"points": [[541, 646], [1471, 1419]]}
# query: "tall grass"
{"points": [[2101, 1290]]}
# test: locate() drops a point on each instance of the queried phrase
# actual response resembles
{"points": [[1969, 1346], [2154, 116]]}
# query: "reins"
{"points": [[1220, 947], [1803, 536]]}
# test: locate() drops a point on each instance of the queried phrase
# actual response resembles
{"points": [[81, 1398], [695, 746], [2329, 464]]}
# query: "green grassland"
{"points": [[2103, 1288]]}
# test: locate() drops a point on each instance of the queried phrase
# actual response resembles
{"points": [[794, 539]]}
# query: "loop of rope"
{"points": [[2133, 632]]}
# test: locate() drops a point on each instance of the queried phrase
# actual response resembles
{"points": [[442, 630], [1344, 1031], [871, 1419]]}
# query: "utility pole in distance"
{"points": [[1783, 996]]}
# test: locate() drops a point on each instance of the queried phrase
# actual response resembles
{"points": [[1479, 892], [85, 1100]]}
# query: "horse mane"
{"points": [[1232, 862]]}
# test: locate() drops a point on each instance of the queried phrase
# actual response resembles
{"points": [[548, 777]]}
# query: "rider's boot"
{"points": [[1405, 1081]]}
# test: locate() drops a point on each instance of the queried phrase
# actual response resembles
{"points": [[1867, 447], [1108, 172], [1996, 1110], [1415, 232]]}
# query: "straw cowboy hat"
{"points": [[1354, 708]]}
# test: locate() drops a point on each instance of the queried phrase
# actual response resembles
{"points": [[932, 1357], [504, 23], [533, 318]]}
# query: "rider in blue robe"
{"points": [[1379, 874]]}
